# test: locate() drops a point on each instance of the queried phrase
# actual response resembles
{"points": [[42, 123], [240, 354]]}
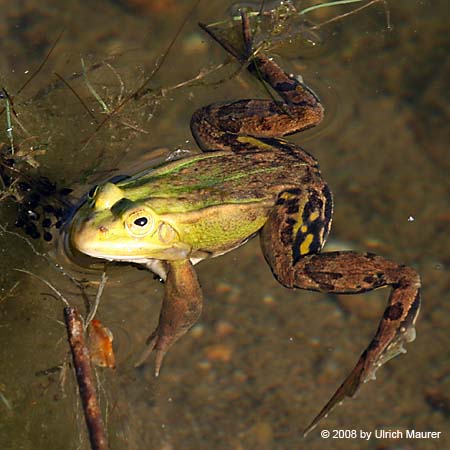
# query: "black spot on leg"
{"points": [[285, 86], [393, 312], [307, 177], [292, 207], [286, 232], [296, 255], [326, 287], [294, 191], [335, 275], [315, 229]]}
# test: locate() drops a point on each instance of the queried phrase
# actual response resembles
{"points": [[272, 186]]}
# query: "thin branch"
{"points": [[93, 312], [57, 267], [83, 371], [141, 89], [9, 127], [354, 11], [44, 61], [91, 88], [60, 296], [74, 92]]}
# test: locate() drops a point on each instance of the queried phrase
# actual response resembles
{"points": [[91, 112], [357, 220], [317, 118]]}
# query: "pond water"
{"points": [[262, 360]]}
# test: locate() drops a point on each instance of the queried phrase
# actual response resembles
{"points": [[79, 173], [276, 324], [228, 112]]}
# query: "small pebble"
{"points": [[204, 365], [223, 328], [197, 331], [268, 299], [223, 288], [219, 352], [239, 376]]}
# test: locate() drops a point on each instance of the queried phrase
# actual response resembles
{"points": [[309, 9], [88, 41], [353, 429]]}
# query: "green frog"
{"points": [[247, 181]]}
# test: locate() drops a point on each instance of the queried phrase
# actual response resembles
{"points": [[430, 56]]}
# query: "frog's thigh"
{"points": [[297, 225]]}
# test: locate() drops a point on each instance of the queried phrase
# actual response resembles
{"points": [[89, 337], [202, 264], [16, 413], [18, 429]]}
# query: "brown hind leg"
{"points": [[217, 126], [290, 241]]}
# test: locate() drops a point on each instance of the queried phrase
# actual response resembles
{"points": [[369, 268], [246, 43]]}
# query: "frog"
{"points": [[246, 181]]}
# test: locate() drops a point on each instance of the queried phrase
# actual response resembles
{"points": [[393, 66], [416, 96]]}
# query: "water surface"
{"points": [[263, 359]]}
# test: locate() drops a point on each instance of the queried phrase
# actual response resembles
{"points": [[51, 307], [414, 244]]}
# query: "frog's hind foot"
{"points": [[371, 359], [154, 343], [241, 53]]}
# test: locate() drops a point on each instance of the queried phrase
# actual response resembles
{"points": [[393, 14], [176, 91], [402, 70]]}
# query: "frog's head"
{"points": [[111, 226]]}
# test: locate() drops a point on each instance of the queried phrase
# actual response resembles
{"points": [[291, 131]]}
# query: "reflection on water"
{"points": [[263, 359]]}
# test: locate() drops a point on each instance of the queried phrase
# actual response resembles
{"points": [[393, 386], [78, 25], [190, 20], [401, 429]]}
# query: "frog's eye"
{"points": [[140, 223]]}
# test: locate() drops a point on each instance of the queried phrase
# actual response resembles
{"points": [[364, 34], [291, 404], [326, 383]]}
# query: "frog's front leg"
{"points": [[291, 238], [181, 308]]}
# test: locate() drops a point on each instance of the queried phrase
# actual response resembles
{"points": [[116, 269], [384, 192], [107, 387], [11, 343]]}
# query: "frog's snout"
{"points": [[81, 234]]}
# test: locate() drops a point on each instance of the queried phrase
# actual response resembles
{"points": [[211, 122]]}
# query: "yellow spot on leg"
{"points": [[304, 247]]}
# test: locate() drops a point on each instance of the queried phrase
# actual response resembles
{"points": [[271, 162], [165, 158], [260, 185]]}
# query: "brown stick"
{"points": [[81, 361]]}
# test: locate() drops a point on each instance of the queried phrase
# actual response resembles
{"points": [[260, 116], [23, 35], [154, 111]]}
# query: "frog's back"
{"points": [[216, 178]]}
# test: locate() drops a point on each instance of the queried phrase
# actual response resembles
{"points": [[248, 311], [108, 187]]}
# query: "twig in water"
{"points": [[9, 127], [93, 311], [44, 61], [353, 11], [60, 296], [138, 93], [81, 362], [75, 93]]}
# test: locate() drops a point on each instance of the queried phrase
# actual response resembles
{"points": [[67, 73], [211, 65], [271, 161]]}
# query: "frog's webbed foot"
{"points": [[350, 272], [240, 50], [371, 359], [182, 306]]}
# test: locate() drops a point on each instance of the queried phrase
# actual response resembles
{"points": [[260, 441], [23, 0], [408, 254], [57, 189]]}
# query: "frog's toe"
{"points": [[160, 344]]}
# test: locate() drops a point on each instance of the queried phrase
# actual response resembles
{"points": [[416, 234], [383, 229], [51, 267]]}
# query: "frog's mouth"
{"points": [[100, 242]]}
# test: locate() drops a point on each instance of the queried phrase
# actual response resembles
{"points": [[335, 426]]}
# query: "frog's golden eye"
{"points": [[140, 223]]}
